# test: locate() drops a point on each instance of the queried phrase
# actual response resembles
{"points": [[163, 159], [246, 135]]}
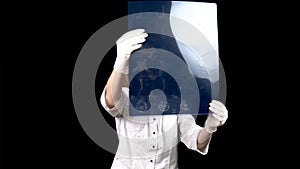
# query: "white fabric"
{"points": [[139, 147]]}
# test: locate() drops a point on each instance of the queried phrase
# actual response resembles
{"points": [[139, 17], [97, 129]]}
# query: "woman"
{"points": [[151, 141]]}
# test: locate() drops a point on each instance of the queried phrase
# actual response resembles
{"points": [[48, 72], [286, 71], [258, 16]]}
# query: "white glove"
{"points": [[127, 43], [217, 116]]}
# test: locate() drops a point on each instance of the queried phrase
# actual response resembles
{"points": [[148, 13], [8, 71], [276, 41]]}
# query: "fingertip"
{"points": [[138, 46], [133, 32], [217, 102], [141, 29], [213, 104], [144, 35]]}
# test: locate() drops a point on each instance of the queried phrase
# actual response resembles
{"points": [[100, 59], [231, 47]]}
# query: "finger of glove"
{"points": [[131, 41], [222, 119], [218, 103], [215, 113], [217, 117], [128, 50], [221, 111], [218, 106], [135, 47], [126, 53], [131, 34], [217, 110], [136, 40]]}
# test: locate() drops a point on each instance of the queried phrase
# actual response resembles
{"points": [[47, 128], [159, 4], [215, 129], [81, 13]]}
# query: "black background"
{"points": [[40, 124]]}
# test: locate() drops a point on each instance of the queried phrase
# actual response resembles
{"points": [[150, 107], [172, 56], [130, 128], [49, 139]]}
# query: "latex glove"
{"points": [[126, 44], [217, 116]]}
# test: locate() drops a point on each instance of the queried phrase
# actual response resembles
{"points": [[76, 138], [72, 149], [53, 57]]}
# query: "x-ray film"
{"points": [[177, 69]]}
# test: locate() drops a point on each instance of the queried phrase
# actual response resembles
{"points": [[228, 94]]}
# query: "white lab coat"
{"points": [[148, 142]]}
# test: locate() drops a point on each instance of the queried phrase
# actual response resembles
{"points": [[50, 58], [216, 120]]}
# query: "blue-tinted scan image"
{"points": [[177, 69]]}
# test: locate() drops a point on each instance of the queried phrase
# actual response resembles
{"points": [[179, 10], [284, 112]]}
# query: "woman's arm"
{"points": [[126, 44], [203, 140], [114, 88], [217, 116]]}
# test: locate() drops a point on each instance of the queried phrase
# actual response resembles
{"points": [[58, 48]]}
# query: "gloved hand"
{"points": [[126, 44], [217, 116]]}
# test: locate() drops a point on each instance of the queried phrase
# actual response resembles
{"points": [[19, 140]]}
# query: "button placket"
{"points": [[154, 131], [154, 125]]}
